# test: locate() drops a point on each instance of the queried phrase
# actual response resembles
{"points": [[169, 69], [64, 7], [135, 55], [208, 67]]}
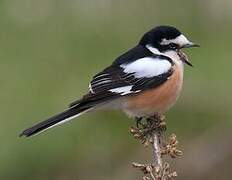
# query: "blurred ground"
{"points": [[49, 49]]}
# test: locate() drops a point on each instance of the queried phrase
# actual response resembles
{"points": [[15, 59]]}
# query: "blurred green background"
{"points": [[49, 49]]}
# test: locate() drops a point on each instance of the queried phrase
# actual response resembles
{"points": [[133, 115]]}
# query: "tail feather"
{"points": [[77, 108], [54, 121]]}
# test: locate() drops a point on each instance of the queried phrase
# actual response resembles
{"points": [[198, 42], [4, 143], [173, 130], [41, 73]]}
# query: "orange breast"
{"points": [[159, 99]]}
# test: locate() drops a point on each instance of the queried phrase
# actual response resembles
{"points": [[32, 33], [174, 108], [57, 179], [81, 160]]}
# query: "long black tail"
{"points": [[76, 108], [55, 120]]}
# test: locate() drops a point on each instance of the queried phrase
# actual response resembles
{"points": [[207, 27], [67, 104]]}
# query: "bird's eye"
{"points": [[173, 46]]}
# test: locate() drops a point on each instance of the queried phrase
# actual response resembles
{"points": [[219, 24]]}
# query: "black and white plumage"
{"points": [[134, 71], [146, 66], [139, 75]]}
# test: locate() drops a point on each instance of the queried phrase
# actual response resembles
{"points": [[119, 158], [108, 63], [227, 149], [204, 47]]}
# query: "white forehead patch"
{"points": [[180, 40]]}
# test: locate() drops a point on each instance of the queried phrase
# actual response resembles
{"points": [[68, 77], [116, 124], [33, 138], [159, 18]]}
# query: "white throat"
{"points": [[171, 54], [153, 50]]}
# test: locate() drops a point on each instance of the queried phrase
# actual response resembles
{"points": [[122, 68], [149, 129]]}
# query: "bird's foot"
{"points": [[157, 123], [144, 130], [139, 123]]}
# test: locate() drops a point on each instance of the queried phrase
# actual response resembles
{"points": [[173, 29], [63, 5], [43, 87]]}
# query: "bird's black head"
{"points": [[165, 38]]}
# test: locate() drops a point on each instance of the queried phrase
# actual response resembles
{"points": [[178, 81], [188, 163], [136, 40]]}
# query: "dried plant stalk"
{"points": [[151, 132], [157, 150]]}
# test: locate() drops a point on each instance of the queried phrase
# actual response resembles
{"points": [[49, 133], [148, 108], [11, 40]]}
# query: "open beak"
{"points": [[183, 56]]}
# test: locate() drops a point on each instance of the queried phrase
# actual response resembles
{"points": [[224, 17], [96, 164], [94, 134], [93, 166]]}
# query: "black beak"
{"points": [[184, 58], [189, 45]]}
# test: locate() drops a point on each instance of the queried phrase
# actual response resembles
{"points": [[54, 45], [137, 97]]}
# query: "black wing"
{"points": [[133, 54], [114, 77], [114, 82]]}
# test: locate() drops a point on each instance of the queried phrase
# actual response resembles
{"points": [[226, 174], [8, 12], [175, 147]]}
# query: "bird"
{"points": [[143, 82]]}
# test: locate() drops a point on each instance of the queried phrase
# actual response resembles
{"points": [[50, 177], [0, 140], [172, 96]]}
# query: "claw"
{"points": [[144, 131], [138, 121]]}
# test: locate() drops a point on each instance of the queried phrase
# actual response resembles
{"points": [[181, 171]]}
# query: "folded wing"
{"points": [[128, 78]]}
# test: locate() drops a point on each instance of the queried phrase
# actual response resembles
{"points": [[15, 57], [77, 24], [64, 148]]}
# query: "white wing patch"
{"points": [[122, 90], [147, 67]]}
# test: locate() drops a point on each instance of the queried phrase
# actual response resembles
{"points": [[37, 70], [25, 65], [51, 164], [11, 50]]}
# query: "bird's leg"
{"points": [[138, 131], [144, 131], [139, 121], [155, 123], [160, 123]]}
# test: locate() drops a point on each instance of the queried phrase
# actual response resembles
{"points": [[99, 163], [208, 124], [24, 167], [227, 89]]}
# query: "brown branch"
{"points": [[157, 155]]}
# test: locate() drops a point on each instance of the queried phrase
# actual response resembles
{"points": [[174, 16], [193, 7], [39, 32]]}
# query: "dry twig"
{"points": [[151, 132]]}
